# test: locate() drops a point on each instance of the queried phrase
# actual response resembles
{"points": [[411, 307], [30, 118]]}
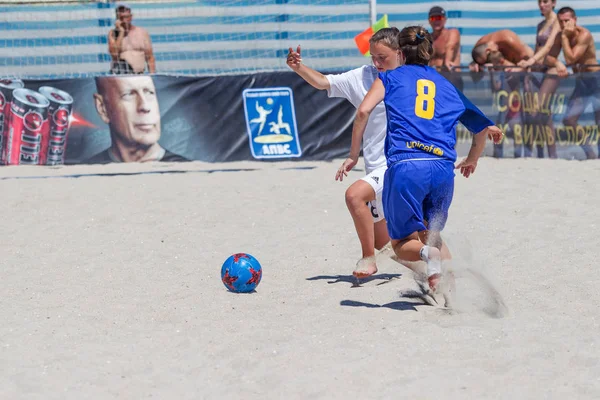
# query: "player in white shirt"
{"points": [[363, 197]]}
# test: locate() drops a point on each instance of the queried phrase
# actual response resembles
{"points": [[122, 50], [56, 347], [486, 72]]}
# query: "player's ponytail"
{"points": [[386, 36], [416, 44]]}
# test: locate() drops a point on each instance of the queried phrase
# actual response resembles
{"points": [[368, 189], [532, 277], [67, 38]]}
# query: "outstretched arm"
{"points": [[469, 164], [312, 77], [373, 97], [475, 121]]}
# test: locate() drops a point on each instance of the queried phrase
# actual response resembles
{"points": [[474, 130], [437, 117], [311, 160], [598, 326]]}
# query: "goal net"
{"points": [[56, 39]]}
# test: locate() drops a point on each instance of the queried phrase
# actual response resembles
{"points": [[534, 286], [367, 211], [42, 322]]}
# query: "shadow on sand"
{"points": [[377, 279]]}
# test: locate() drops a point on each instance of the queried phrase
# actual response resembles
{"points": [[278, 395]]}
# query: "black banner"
{"points": [[541, 115], [267, 116]]}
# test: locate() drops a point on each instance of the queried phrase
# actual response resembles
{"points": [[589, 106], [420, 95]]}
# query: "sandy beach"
{"points": [[111, 287]]}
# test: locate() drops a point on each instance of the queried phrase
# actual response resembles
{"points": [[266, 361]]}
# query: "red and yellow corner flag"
{"points": [[362, 39]]}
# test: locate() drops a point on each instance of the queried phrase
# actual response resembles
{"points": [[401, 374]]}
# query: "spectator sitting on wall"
{"points": [[446, 42], [129, 46], [129, 105], [504, 43]]}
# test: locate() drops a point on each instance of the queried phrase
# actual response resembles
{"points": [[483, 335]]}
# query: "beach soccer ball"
{"points": [[241, 273]]}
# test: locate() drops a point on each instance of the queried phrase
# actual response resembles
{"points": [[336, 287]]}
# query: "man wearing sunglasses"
{"points": [[495, 46], [446, 42]]}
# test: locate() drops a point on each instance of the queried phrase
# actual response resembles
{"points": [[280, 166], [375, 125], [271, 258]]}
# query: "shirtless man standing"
{"points": [[446, 42], [503, 42], [577, 44], [130, 46], [446, 47]]}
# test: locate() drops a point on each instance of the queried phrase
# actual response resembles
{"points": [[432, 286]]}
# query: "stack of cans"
{"points": [[33, 125]]}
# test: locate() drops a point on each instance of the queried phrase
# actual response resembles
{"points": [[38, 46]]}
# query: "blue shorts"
{"points": [[415, 192]]}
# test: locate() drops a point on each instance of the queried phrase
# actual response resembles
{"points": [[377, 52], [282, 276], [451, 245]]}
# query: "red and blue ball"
{"points": [[241, 273]]}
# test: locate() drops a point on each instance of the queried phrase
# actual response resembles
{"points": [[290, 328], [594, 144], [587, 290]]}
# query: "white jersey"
{"points": [[353, 86]]}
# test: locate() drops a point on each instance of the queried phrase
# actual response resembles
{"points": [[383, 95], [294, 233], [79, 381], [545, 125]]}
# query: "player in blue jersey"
{"points": [[423, 109]]}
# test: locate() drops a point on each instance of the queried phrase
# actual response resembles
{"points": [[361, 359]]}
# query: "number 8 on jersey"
{"points": [[425, 103]]}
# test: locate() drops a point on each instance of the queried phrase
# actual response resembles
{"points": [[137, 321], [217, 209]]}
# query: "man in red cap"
{"points": [[446, 42]]}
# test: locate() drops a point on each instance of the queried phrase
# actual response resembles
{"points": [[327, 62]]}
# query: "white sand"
{"points": [[111, 287]]}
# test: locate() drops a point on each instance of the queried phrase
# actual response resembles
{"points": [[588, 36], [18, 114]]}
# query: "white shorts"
{"points": [[375, 179]]}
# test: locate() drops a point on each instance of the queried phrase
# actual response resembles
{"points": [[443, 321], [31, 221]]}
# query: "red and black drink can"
{"points": [[59, 117], [27, 127], [6, 88]]}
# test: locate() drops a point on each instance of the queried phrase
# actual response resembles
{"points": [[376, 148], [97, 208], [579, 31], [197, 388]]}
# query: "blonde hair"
{"points": [[387, 36]]}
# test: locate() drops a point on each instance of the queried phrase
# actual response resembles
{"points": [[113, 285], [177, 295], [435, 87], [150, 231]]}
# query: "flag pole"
{"points": [[373, 11]]}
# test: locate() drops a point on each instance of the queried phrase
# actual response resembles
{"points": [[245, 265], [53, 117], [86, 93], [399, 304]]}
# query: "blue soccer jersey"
{"points": [[423, 109]]}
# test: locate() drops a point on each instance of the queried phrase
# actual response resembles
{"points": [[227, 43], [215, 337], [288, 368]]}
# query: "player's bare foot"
{"points": [[434, 281], [365, 267], [433, 257]]}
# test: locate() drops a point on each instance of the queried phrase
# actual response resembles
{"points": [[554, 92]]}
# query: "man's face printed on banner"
{"points": [[129, 105]]}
